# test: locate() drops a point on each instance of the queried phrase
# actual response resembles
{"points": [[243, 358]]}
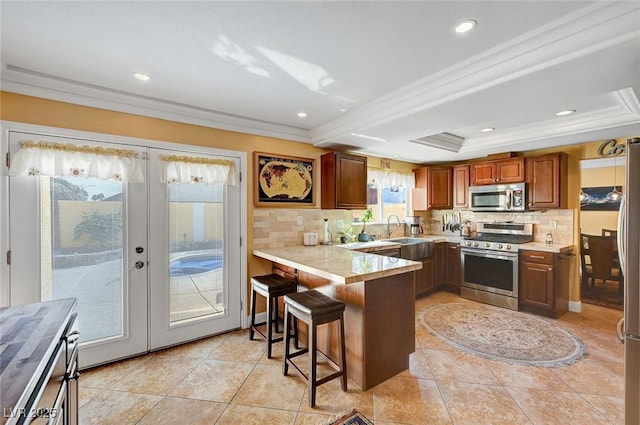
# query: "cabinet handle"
{"points": [[537, 256], [550, 268], [74, 377], [73, 337]]}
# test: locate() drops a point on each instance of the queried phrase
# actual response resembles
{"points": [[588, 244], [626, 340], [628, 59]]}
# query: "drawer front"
{"points": [[539, 257], [43, 404]]}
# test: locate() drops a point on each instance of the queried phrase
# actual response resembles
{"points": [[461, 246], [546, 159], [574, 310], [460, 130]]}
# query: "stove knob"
{"points": [[487, 244], [468, 243], [508, 247], [500, 246], [475, 244]]}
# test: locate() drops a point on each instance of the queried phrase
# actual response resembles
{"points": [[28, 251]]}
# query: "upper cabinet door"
{"points": [[461, 186], [511, 170], [440, 196], [547, 178], [505, 171], [419, 194], [344, 181], [434, 188], [483, 173]]}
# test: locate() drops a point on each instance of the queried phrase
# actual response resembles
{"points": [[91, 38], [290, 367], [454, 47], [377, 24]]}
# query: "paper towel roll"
{"points": [[327, 236]]}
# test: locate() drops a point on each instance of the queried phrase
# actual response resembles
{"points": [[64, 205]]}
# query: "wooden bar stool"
{"points": [[270, 287], [314, 308]]}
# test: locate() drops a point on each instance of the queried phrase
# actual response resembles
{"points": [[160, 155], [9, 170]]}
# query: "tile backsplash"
{"points": [[277, 227], [541, 220]]}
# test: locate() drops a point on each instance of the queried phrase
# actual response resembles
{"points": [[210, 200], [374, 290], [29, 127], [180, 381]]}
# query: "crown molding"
{"points": [[625, 113], [591, 29], [102, 98]]}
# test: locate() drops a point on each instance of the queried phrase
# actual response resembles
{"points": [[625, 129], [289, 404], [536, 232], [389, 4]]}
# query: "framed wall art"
{"points": [[595, 199], [284, 181]]}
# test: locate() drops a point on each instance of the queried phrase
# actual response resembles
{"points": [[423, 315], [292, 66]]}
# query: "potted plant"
{"points": [[346, 235], [368, 215]]}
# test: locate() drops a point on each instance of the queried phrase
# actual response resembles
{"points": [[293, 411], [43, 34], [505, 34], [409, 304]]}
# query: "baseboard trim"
{"points": [[575, 306]]}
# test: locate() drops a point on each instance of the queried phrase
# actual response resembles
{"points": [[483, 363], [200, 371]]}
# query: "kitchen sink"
{"points": [[413, 248]]}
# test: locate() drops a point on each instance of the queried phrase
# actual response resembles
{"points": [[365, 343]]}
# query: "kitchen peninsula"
{"points": [[380, 308]]}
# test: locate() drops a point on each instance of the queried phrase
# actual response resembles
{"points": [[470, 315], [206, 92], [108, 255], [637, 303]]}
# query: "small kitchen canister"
{"points": [[310, 238]]}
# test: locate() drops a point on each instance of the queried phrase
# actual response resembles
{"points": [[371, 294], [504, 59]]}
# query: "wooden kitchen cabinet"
{"points": [[547, 177], [461, 186], [446, 266], [344, 181], [544, 282], [439, 263], [453, 267], [503, 171], [424, 277], [434, 188]]}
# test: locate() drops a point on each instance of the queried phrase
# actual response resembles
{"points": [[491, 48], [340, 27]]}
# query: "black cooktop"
{"points": [[492, 237]]}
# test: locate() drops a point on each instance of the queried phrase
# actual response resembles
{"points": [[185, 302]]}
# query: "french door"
{"points": [[151, 264]]}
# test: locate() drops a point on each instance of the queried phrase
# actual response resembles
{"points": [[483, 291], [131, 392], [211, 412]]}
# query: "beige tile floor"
{"points": [[227, 379]]}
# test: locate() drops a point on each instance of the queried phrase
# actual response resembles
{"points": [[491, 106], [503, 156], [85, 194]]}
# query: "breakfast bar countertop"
{"points": [[28, 337], [338, 264]]}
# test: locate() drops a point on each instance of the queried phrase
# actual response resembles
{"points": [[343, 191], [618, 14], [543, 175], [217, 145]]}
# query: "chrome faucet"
{"points": [[388, 222]]}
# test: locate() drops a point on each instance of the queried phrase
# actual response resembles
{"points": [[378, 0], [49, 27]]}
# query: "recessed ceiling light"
{"points": [[302, 114], [343, 110], [142, 76], [565, 112], [487, 129], [395, 156], [465, 26]]}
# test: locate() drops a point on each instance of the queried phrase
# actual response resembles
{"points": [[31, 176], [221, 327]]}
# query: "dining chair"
{"points": [[599, 260]]}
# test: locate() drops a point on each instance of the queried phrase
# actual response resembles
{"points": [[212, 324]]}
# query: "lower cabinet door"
{"points": [[424, 277], [536, 285]]}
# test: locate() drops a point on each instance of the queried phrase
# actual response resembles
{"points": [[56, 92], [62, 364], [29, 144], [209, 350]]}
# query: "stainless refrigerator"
{"points": [[629, 251]]}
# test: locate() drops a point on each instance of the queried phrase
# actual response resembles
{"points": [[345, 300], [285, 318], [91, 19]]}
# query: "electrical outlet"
{"points": [[299, 220], [553, 224], [340, 224]]}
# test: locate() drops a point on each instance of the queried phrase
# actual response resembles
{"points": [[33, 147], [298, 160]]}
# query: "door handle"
{"points": [[139, 264]]}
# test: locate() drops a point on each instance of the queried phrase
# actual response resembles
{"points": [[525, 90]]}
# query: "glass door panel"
{"points": [[77, 237], [195, 271], [196, 252], [82, 250]]}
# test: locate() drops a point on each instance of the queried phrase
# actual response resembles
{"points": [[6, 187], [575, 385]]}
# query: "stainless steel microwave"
{"points": [[498, 197]]}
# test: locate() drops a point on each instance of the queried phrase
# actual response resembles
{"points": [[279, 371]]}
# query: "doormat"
{"points": [[351, 418], [500, 334]]}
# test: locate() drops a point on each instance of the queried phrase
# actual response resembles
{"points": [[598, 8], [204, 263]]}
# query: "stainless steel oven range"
{"points": [[490, 263]]}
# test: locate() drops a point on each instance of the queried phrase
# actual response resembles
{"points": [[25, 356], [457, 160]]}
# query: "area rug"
{"points": [[500, 334], [353, 417]]}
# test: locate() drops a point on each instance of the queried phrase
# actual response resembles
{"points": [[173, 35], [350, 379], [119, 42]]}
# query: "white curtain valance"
{"points": [[66, 159], [392, 178], [176, 169]]}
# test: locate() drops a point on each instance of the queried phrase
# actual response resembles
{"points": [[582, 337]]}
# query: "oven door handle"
{"points": [[490, 254]]}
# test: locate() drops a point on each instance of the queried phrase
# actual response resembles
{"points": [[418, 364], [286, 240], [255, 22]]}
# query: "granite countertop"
{"points": [[29, 335], [557, 248], [372, 246], [338, 264]]}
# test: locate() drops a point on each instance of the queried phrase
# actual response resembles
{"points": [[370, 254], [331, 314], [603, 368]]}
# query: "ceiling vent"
{"points": [[446, 141]]}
